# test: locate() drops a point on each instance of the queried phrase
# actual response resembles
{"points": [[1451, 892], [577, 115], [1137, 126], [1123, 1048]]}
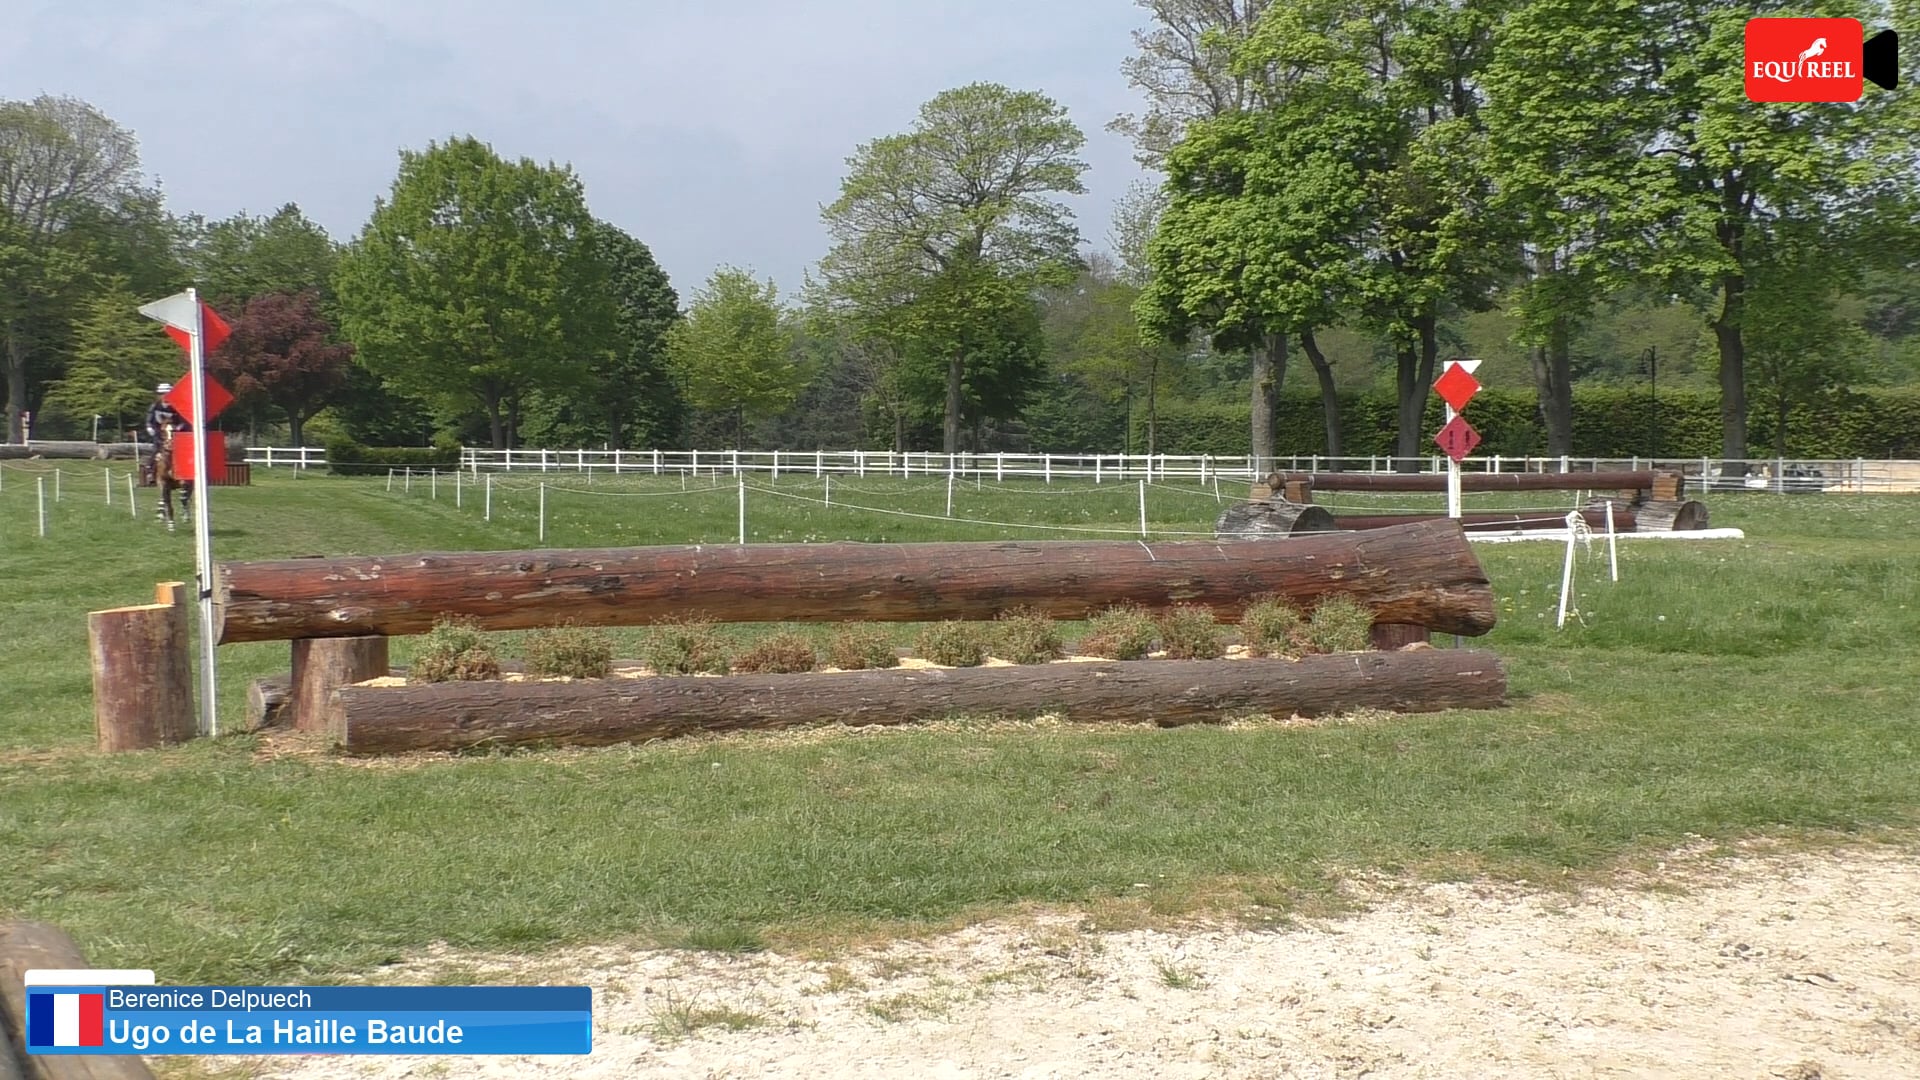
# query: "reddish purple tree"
{"points": [[281, 354]]}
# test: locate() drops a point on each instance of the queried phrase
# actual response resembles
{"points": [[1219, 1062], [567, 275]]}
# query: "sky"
{"points": [[713, 132]]}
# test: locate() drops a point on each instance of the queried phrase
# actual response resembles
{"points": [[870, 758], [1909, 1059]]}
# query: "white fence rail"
{"points": [[1784, 475]]}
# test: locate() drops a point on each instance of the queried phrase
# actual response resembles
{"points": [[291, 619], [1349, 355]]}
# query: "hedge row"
{"points": [[1607, 422], [346, 457]]}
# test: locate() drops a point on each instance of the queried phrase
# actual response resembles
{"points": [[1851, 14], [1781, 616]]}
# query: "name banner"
{"points": [[99, 1019]]}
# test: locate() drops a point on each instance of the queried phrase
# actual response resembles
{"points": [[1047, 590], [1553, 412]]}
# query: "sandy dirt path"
{"points": [[1796, 966]]}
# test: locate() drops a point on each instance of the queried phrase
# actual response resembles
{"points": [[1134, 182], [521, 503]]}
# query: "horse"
{"points": [[164, 477]]}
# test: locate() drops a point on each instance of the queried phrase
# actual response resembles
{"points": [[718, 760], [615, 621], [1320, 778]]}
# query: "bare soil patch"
{"points": [[1769, 964]]}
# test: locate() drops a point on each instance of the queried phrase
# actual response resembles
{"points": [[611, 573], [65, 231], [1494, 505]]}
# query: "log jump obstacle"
{"points": [[338, 613], [30, 946], [1642, 501]]}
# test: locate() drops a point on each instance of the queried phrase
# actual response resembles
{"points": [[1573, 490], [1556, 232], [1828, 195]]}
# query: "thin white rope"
{"points": [[1128, 532]]}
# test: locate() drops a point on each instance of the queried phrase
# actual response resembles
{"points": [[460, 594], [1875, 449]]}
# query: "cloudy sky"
{"points": [[713, 132]]}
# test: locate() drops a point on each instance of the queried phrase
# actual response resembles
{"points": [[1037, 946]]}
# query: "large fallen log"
{"points": [[25, 946], [1270, 519], [1471, 481], [1424, 573], [1672, 515], [594, 712]]}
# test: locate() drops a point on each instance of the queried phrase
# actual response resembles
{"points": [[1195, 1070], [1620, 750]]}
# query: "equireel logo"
{"points": [[1816, 59]]}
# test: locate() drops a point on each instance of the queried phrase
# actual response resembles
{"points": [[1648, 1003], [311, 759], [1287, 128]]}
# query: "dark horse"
{"points": [[164, 478]]}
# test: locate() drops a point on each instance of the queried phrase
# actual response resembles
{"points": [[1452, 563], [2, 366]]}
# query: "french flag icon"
{"points": [[65, 1019]]}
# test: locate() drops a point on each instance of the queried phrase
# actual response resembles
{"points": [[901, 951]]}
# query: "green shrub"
{"points": [[455, 650], [858, 646], [1272, 627], [781, 654], [346, 457], [580, 652], [1026, 636], [1340, 624], [953, 644], [1190, 633], [688, 647], [1122, 632]]}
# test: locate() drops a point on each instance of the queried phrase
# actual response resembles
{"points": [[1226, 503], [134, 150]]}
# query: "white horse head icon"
{"points": [[1819, 46]]}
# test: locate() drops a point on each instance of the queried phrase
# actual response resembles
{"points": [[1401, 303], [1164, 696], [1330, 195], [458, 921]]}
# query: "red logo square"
{"points": [[1803, 59]]}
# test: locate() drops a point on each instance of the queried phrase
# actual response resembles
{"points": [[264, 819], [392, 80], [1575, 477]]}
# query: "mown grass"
{"points": [[1719, 689]]}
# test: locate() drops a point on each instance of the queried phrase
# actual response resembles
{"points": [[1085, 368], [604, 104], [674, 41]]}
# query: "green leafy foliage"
{"points": [[1190, 632], [578, 652], [733, 353], [455, 650], [346, 457], [1026, 636], [1122, 632], [859, 646], [1271, 627], [784, 653], [688, 647], [953, 644], [1340, 624]]}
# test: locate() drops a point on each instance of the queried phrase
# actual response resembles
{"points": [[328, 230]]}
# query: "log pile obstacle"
{"points": [[29, 946], [1414, 578], [1645, 500]]}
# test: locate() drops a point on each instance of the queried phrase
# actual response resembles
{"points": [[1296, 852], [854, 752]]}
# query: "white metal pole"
{"points": [[406, 486], [389, 479], [543, 511], [433, 483], [949, 494], [743, 513], [131, 509], [456, 489], [56, 485], [829, 477], [488, 515], [1566, 572], [202, 515], [40, 484], [1613, 547], [106, 478], [1143, 508], [1453, 476]]}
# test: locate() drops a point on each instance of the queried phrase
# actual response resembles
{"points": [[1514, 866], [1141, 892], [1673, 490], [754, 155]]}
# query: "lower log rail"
{"points": [[25, 946], [1624, 520], [598, 712], [1635, 480]]}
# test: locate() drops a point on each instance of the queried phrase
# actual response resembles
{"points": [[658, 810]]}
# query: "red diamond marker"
{"points": [[1458, 438], [181, 398], [1456, 386]]}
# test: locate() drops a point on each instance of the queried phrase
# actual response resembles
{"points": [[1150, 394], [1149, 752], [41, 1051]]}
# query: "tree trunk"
{"points": [[323, 665], [597, 712], [495, 426], [899, 429], [297, 427], [1409, 404], [513, 419], [1727, 330], [956, 371], [27, 946], [1329, 395], [614, 439], [142, 674], [16, 381], [1425, 573], [1269, 367], [1265, 519]]}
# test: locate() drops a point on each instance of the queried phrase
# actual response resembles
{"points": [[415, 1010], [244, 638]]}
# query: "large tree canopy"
{"points": [[969, 194], [478, 280], [733, 353]]}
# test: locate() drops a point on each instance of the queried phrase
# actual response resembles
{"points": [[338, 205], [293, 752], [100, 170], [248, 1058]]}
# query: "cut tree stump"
{"points": [[1271, 518], [25, 946], [594, 712], [1425, 573], [1669, 516], [142, 674], [269, 702], [322, 665]]}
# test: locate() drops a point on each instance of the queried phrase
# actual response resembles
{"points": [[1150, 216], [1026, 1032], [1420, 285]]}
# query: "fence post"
{"points": [[743, 513], [106, 477], [1046, 461], [736, 467], [131, 509], [949, 494], [40, 485], [456, 489], [1143, 509], [829, 480], [488, 516], [543, 511], [433, 484], [1096, 468], [776, 466], [56, 485], [389, 479]]}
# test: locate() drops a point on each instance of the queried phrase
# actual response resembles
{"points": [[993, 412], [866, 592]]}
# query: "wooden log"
{"points": [[1399, 635], [269, 702], [1471, 481], [1271, 518], [593, 712], [322, 665], [1425, 573], [1298, 491], [25, 946], [1670, 516], [142, 674], [1596, 518], [1669, 487]]}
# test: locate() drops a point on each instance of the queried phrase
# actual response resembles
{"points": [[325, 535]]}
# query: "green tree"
{"points": [[733, 352], [243, 256], [1629, 128], [966, 198], [118, 357], [61, 160], [477, 281]]}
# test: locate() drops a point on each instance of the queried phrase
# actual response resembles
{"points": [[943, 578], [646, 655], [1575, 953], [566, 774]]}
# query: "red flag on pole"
{"points": [[214, 330]]}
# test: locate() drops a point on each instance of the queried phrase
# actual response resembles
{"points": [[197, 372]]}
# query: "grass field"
{"points": [[1719, 689]]}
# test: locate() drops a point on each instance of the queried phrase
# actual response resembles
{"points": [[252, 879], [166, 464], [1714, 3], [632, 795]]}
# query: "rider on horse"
{"points": [[162, 418]]}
